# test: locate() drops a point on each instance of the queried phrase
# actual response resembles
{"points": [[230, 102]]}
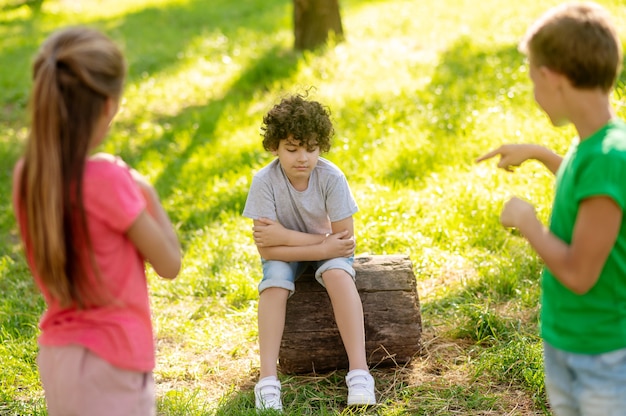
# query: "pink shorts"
{"points": [[78, 382]]}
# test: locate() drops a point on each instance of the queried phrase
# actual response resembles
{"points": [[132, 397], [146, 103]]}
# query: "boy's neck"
{"points": [[590, 111]]}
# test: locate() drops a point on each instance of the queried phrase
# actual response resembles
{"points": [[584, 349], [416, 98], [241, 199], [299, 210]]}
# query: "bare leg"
{"points": [[348, 311], [272, 308]]}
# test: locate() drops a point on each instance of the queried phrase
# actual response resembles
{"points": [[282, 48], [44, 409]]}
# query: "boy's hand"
{"points": [[269, 233], [339, 245], [511, 155], [516, 212]]}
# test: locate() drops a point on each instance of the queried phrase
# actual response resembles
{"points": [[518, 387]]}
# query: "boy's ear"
{"points": [[553, 77]]}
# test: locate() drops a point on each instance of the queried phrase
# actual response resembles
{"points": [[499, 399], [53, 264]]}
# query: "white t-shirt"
{"points": [[327, 198]]}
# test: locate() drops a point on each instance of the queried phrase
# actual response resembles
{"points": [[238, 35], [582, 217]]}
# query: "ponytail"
{"points": [[74, 73]]}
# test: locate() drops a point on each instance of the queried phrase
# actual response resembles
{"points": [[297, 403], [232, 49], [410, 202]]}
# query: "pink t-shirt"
{"points": [[119, 332]]}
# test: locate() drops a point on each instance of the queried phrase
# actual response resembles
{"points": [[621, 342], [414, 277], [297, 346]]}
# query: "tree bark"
{"points": [[393, 325], [314, 20]]}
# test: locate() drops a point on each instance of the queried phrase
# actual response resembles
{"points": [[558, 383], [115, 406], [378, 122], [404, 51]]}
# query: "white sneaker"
{"points": [[360, 388], [267, 394]]}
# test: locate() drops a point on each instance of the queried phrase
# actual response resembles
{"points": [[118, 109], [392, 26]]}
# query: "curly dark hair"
{"points": [[306, 122]]}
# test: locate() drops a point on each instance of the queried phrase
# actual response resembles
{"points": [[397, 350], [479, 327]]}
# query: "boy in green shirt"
{"points": [[575, 57]]}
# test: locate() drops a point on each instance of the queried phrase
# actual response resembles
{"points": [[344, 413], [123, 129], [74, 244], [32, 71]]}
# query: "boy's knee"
{"points": [[335, 268], [335, 274], [276, 287], [278, 274], [274, 291]]}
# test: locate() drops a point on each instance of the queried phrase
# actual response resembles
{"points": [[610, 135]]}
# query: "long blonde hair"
{"points": [[74, 73]]}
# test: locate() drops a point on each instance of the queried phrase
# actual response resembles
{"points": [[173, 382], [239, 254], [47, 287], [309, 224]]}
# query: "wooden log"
{"points": [[393, 325]]}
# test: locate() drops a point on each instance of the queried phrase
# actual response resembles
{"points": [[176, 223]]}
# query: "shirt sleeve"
{"points": [[604, 175], [112, 195], [260, 202], [340, 203]]}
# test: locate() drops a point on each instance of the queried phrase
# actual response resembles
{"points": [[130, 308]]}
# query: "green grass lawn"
{"points": [[417, 91]]}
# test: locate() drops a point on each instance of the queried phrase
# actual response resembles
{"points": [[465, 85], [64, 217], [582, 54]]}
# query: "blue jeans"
{"points": [[585, 385], [284, 274]]}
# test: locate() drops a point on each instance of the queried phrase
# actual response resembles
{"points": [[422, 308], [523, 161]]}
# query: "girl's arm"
{"points": [[513, 155], [312, 247], [577, 265], [153, 234]]}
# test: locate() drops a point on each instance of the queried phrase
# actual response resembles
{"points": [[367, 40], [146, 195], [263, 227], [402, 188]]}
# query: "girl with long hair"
{"points": [[88, 224]]}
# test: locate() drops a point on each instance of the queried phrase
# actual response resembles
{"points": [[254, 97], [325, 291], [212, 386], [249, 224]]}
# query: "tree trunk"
{"points": [[393, 325], [314, 20]]}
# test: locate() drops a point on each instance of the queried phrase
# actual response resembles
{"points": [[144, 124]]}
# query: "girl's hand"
{"points": [[147, 190]]}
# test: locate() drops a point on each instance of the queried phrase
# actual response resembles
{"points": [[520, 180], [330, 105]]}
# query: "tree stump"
{"points": [[393, 324]]}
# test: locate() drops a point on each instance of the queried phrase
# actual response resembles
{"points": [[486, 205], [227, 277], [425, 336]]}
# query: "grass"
{"points": [[417, 91]]}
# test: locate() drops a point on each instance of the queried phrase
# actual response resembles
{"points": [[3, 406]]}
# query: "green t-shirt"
{"points": [[595, 322]]}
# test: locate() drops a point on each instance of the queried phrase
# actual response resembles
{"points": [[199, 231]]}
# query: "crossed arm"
{"points": [[152, 232], [154, 236], [276, 242]]}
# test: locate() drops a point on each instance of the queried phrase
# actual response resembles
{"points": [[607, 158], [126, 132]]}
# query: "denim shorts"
{"points": [[284, 274], [585, 385]]}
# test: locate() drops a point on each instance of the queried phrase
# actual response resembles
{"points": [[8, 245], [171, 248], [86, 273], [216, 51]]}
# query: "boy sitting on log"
{"points": [[302, 209]]}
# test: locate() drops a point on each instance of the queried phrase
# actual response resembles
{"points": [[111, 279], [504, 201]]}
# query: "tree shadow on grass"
{"points": [[202, 122], [274, 65], [166, 31], [152, 37], [154, 40], [467, 81]]}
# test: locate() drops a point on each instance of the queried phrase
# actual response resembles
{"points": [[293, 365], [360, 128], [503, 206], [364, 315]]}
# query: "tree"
{"points": [[314, 20]]}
